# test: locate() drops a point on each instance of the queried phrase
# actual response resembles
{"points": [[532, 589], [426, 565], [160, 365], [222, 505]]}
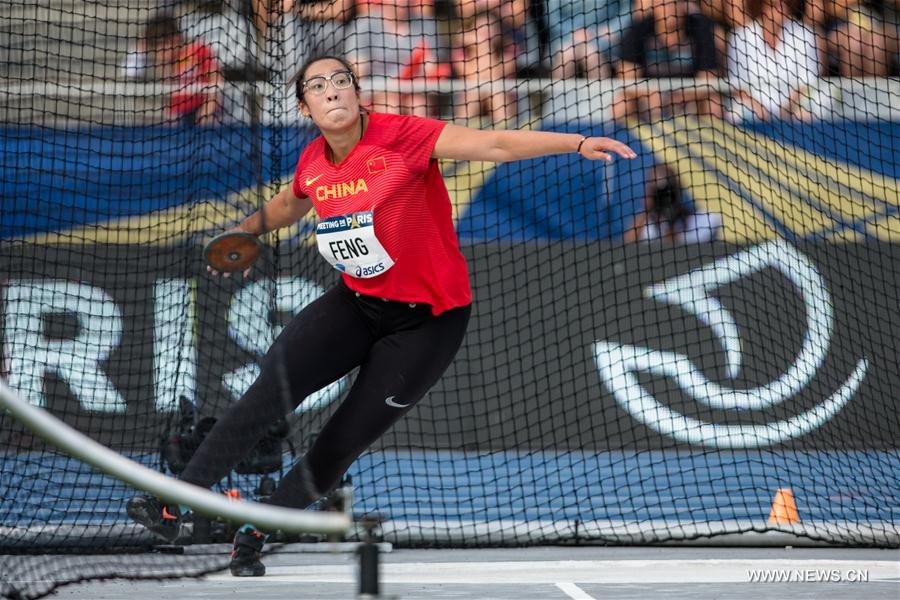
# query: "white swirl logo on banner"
{"points": [[619, 363], [250, 328]]}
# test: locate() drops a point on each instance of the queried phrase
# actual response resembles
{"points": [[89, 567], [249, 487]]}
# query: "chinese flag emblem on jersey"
{"points": [[376, 165]]}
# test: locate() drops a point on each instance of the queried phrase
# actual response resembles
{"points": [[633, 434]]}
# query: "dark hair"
{"points": [[755, 8], [160, 28], [300, 77]]}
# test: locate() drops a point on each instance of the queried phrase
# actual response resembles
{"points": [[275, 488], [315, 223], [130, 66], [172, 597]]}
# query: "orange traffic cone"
{"points": [[784, 509]]}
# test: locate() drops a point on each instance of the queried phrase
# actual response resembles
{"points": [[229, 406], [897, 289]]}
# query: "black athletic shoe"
{"points": [[245, 558], [162, 519]]}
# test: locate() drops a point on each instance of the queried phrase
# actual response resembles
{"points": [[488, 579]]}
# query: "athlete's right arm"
{"points": [[282, 210]]}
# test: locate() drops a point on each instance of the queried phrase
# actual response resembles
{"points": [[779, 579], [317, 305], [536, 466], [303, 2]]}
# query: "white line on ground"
{"points": [[573, 591], [582, 571]]}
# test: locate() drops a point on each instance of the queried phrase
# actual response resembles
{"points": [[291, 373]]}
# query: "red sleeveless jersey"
{"points": [[391, 173]]}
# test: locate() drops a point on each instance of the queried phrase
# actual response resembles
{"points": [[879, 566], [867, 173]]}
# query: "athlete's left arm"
{"points": [[462, 143]]}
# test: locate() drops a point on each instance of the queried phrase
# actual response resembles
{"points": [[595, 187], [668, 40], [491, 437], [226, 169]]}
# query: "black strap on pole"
{"points": [[368, 558]]}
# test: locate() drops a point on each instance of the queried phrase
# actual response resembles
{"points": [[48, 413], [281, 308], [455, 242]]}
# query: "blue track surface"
{"points": [[679, 487]]}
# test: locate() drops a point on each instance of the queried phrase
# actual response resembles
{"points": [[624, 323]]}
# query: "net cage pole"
{"points": [[202, 501]]}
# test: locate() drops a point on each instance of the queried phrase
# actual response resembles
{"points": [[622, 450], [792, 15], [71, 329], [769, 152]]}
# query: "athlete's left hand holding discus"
{"points": [[400, 310]]}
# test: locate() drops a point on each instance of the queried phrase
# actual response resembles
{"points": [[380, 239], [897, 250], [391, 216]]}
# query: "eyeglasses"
{"points": [[340, 80]]}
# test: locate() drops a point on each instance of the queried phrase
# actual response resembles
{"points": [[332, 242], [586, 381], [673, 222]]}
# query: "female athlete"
{"points": [[399, 312]]}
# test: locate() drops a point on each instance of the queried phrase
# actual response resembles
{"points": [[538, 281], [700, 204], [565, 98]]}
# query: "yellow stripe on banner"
{"points": [[885, 228], [170, 226], [798, 216], [469, 177], [465, 183], [845, 236], [802, 175], [742, 222], [162, 228], [850, 176]]}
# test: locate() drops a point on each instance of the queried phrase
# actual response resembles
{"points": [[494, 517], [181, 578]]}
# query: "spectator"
{"points": [[728, 15], [582, 32], [518, 29], [484, 59], [674, 40], [772, 60], [857, 40], [227, 33], [310, 27], [165, 53], [666, 215], [397, 39]]}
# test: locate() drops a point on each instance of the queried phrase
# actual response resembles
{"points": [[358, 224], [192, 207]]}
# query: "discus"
{"points": [[232, 251]]}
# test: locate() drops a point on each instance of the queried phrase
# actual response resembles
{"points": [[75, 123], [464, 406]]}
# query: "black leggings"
{"points": [[402, 350]]}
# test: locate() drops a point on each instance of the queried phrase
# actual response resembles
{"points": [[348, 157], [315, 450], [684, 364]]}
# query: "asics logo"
{"points": [[390, 402], [310, 181]]}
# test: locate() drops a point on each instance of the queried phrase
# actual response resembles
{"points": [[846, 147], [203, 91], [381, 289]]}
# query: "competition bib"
{"points": [[348, 242]]}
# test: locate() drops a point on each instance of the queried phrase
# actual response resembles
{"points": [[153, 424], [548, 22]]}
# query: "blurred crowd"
{"points": [[772, 52]]}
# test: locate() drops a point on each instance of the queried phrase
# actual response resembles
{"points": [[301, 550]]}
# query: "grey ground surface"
{"points": [[580, 573]]}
